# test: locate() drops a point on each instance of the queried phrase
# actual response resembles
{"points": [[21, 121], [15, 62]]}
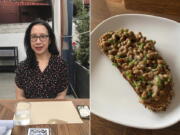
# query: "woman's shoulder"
{"points": [[58, 59], [58, 63], [23, 65]]}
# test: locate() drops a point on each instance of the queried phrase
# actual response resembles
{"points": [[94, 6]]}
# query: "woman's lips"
{"points": [[39, 48]]}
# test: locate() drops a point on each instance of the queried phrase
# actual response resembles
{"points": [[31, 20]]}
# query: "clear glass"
{"points": [[23, 113]]}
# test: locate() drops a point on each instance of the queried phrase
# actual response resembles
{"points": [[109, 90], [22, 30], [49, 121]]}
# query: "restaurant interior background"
{"points": [[64, 17]]}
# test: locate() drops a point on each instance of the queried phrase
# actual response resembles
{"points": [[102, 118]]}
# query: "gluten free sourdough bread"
{"points": [[141, 65]]}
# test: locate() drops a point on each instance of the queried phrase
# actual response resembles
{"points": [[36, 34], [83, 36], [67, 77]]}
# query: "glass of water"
{"points": [[23, 113]]}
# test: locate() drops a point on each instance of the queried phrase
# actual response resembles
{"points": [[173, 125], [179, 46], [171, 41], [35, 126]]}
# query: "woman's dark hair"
{"points": [[31, 58]]}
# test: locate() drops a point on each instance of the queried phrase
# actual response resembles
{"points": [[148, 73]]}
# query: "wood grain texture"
{"points": [[103, 9], [7, 109], [168, 7], [100, 126], [64, 129]]}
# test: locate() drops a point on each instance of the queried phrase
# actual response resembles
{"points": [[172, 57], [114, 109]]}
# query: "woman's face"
{"points": [[39, 39]]}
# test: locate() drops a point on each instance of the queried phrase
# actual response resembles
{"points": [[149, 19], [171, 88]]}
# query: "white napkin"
{"points": [[7, 123], [3, 130], [6, 126]]}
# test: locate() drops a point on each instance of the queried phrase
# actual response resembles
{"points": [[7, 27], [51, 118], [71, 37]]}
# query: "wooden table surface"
{"points": [[103, 9], [7, 109]]}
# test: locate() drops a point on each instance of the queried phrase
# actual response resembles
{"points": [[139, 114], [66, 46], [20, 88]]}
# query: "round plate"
{"points": [[112, 97]]}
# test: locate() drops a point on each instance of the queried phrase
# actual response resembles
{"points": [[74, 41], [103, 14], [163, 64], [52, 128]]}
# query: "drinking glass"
{"points": [[22, 115]]}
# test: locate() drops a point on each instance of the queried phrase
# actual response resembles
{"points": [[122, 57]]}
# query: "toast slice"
{"points": [[141, 65]]}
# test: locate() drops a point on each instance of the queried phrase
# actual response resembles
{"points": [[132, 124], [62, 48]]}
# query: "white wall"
{"points": [[14, 39], [13, 35]]}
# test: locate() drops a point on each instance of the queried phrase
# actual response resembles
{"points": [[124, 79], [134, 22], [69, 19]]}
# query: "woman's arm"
{"points": [[61, 95], [19, 93]]}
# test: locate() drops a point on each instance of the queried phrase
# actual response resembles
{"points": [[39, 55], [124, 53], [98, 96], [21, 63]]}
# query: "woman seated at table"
{"points": [[43, 74]]}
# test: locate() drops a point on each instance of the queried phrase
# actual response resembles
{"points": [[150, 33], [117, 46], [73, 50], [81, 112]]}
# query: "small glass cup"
{"points": [[22, 115]]}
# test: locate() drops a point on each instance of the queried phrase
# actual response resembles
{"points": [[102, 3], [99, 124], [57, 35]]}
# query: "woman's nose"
{"points": [[38, 40]]}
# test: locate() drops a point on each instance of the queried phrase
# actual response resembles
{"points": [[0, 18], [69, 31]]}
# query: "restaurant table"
{"points": [[7, 110], [103, 9]]}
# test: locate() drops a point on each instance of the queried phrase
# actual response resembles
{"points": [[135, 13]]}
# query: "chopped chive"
{"points": [[136, 84], [115, 64], [141, 78], [154, 66], [159, 82], [145, 58], [141, 45], [117, 57], [143, 98], [120, 56], [132, 62], [129, 59], [128, 75], [113, 41]]}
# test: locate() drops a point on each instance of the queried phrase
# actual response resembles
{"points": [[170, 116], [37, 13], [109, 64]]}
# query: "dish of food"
{"points": [[149, 71], [141, 65]]}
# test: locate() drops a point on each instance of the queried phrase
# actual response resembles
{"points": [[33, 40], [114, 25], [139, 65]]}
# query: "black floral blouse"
{"points": [[46, 84]]}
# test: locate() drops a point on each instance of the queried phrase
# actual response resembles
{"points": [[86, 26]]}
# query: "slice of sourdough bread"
{"points": [[141, 65]]}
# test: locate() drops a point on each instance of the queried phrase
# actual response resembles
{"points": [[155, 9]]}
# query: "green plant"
{"points": [[82, 23]]}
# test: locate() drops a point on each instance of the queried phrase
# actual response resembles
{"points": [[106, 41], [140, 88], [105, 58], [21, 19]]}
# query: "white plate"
{"points": [[111, 95]]}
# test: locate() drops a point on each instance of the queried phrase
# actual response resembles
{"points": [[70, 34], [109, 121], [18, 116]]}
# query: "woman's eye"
{"points": [[43, 36]]}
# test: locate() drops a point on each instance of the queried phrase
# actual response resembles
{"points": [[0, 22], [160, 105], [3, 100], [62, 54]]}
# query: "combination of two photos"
{"points": [[89, 67]]}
